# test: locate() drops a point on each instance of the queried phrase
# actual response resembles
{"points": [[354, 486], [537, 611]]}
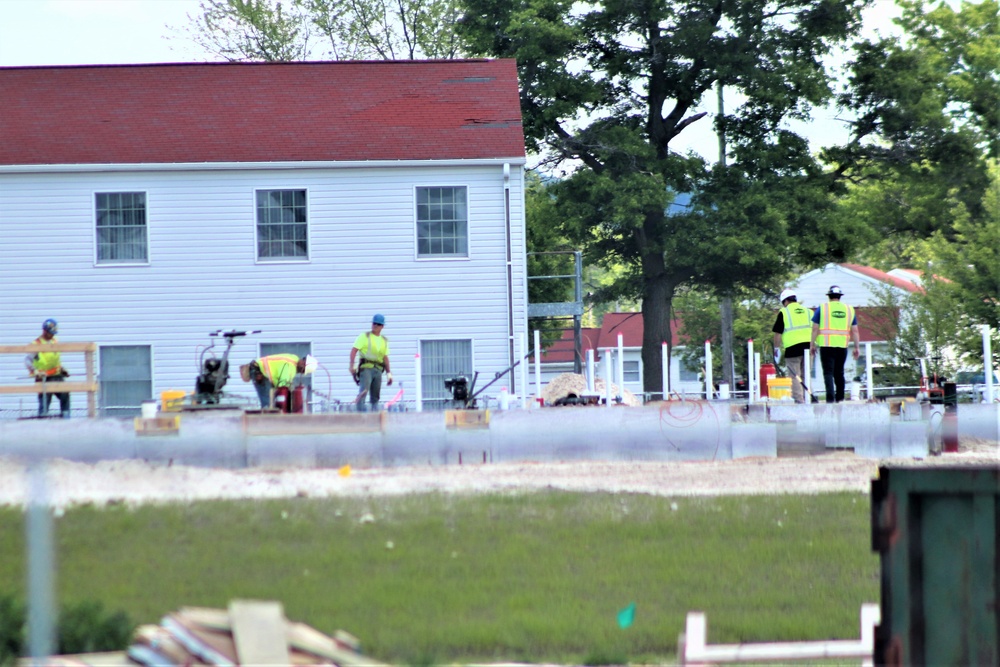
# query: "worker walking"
{"points": [[47, 367], [275, 371], [793, 334], [833, 324], [369, 358]]}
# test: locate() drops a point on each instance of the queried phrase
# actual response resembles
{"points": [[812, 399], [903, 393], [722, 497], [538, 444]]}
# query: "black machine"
{"points": [[214, 370], [463, 392]]}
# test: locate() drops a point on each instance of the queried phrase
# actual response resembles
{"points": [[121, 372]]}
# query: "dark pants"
{"points": [[45, 400], [370, 386], [833, 360]]}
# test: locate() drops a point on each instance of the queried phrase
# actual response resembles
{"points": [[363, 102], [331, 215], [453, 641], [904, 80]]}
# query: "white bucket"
{"points": [[149, 409]]}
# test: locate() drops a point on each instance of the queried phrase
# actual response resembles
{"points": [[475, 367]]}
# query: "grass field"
{"points": [[440, 579]]}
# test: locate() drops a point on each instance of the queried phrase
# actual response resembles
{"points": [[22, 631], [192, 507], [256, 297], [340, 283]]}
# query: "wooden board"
{"points": [[158, 426], [48, 387], [260, 632], [467, 418]]}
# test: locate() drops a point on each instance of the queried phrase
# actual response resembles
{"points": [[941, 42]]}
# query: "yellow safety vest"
{"points": [[280, 369], [834, 324], [374, 349], [47, 363], [798, 325]]}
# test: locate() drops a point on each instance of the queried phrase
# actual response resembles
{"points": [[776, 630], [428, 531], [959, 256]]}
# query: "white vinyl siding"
{"points": [[282, 225], [126, 377], [442, 222], [121, 227], [442, 360], [206, 276]]}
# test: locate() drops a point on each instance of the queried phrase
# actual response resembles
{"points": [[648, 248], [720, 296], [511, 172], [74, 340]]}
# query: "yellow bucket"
{"points": [[172, 400], [778, 388]]}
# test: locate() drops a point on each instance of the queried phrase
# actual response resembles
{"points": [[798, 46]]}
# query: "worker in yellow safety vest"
{"points": [[793, 334], [47, 367], [369, 359], [834, 324], [275, 371]]}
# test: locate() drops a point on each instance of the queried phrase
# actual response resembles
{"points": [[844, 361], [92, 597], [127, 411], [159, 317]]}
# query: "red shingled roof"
{"points": [[884, 277], [260, 112]]}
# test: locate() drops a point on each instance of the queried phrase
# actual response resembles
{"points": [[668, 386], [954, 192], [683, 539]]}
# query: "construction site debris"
{"points": [[575, 385]]}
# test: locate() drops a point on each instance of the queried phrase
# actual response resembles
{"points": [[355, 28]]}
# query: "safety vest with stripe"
{"points": [[280, 369], [834, 324], [373, 349], [47, 363], [798, 325]]}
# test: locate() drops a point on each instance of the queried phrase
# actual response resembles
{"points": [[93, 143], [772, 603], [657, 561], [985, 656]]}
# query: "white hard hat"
{"points": [[786, 294], [311, 364]]}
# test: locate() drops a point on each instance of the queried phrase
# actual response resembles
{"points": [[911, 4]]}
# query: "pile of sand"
{"points": [[573, 384]]}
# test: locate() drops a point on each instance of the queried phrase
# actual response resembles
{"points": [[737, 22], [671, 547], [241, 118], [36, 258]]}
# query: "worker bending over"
{"points": [[276, 371], [369, 358], [47, 367]]}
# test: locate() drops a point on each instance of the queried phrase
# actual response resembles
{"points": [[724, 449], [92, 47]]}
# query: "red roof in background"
{"points": [[260, 112], [884, 277]]}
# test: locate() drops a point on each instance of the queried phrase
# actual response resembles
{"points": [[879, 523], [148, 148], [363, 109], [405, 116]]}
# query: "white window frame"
{"points": [[104, 263], [430, 399], [626, 371], [468, 224], [124, 410], [256, 227]]}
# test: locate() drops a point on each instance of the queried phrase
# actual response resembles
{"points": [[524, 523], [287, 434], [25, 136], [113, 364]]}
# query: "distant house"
{"points": [[145, 206]]}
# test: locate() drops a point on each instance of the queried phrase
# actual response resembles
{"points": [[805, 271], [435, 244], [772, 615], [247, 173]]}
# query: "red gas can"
{"points": [[767, 371], [281, 399], [298, 399]]}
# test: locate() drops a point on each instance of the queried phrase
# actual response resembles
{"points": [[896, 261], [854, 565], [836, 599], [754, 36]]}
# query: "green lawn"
{"points": [[435, 578]]}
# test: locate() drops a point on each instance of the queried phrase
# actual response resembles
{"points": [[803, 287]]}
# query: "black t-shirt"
{"points": [[797, 350]]}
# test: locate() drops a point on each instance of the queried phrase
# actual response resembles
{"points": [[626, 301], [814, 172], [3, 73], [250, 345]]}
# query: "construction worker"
{"points": [[369, 358], [275, 371], [47, 367], [793, 334], [833, 324]]}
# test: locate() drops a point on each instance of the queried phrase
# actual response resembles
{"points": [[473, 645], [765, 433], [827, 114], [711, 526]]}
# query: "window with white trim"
{"points": [[442, 360], [630, 369], [442, 222], [689, 373], [282, 225], [121, 228], [126, 379]]}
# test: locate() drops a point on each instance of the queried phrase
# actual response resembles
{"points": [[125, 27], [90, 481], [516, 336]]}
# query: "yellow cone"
{"points": [[345, 471]]}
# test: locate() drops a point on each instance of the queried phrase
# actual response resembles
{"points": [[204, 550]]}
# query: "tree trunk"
{"points": [[726, 313], [656, 307]]}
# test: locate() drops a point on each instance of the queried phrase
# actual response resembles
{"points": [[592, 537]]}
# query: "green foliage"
{"points": [[84, 627], [272, 31], [535, 577]]}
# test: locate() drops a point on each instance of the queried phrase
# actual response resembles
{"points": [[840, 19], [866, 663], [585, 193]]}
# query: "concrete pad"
{"points": [[755, 440]]}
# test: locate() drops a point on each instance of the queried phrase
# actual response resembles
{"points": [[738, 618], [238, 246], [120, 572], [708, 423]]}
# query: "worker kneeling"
{"points": [[275, 372]]}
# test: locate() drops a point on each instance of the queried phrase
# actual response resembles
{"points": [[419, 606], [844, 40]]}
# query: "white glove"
{"points": [[777, 356], [388, 377]]}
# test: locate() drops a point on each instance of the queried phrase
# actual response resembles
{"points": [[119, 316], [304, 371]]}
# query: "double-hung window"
{"points": [[282, 225], [442, 360], [442, 222], [121, 228]]}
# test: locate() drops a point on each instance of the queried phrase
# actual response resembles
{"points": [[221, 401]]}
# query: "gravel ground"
{"points": [[137, 482]]}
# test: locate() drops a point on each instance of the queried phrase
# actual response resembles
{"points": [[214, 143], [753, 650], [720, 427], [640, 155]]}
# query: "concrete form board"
{"points": [[754, 440], [979, 420], [910, 439]]}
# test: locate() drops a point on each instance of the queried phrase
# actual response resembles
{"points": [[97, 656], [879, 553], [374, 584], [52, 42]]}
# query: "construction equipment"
{"points": [[215, 370], [932, 386]]}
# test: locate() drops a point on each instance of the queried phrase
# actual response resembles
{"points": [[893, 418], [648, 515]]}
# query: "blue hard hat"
{"points": [[379, 319], [50, 326]]}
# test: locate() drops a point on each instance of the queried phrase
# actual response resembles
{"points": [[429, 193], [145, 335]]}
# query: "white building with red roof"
{"points": [[145, 206]]}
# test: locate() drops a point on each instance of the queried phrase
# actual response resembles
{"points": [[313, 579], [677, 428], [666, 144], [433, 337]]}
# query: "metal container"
{"points": [[937, 531]]}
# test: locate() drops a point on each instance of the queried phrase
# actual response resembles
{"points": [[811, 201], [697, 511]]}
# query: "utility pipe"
{"points": [[987, 364], [590, 370], [538, 364], [420, 382], [869, 380], [524, 372], [621, 367], [807, 379], [709, 385], [607, 377], [751, 379], [41, 567], [756, 374], [665, 370]]}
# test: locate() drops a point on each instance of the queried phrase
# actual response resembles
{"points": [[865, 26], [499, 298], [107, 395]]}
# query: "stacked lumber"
{"points": [[248, 633], [573, 384]]}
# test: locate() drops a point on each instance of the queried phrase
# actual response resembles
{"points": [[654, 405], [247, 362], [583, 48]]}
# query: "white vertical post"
{"points": [[607, 377], [807, 373], [869, 380], [621, 366], [524, 372], [751, 380], [504, 400], [538, 363], [756, 374], [590, 370], [665, 369], [41, 567], [420, 382], [987, 364], [709, 384]]}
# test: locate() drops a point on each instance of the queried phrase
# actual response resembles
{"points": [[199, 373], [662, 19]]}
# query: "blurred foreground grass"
{"points": [[430, 579]]}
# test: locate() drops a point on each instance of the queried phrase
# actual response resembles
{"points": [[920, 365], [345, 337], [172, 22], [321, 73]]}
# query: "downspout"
{"points": [[510, 276]]}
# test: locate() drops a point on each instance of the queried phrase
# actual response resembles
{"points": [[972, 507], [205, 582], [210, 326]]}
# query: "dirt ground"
{"points": [[136, 482]]}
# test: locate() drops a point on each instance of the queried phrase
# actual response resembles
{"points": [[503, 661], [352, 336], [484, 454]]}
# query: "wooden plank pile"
{"points": [[250, 632]]}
